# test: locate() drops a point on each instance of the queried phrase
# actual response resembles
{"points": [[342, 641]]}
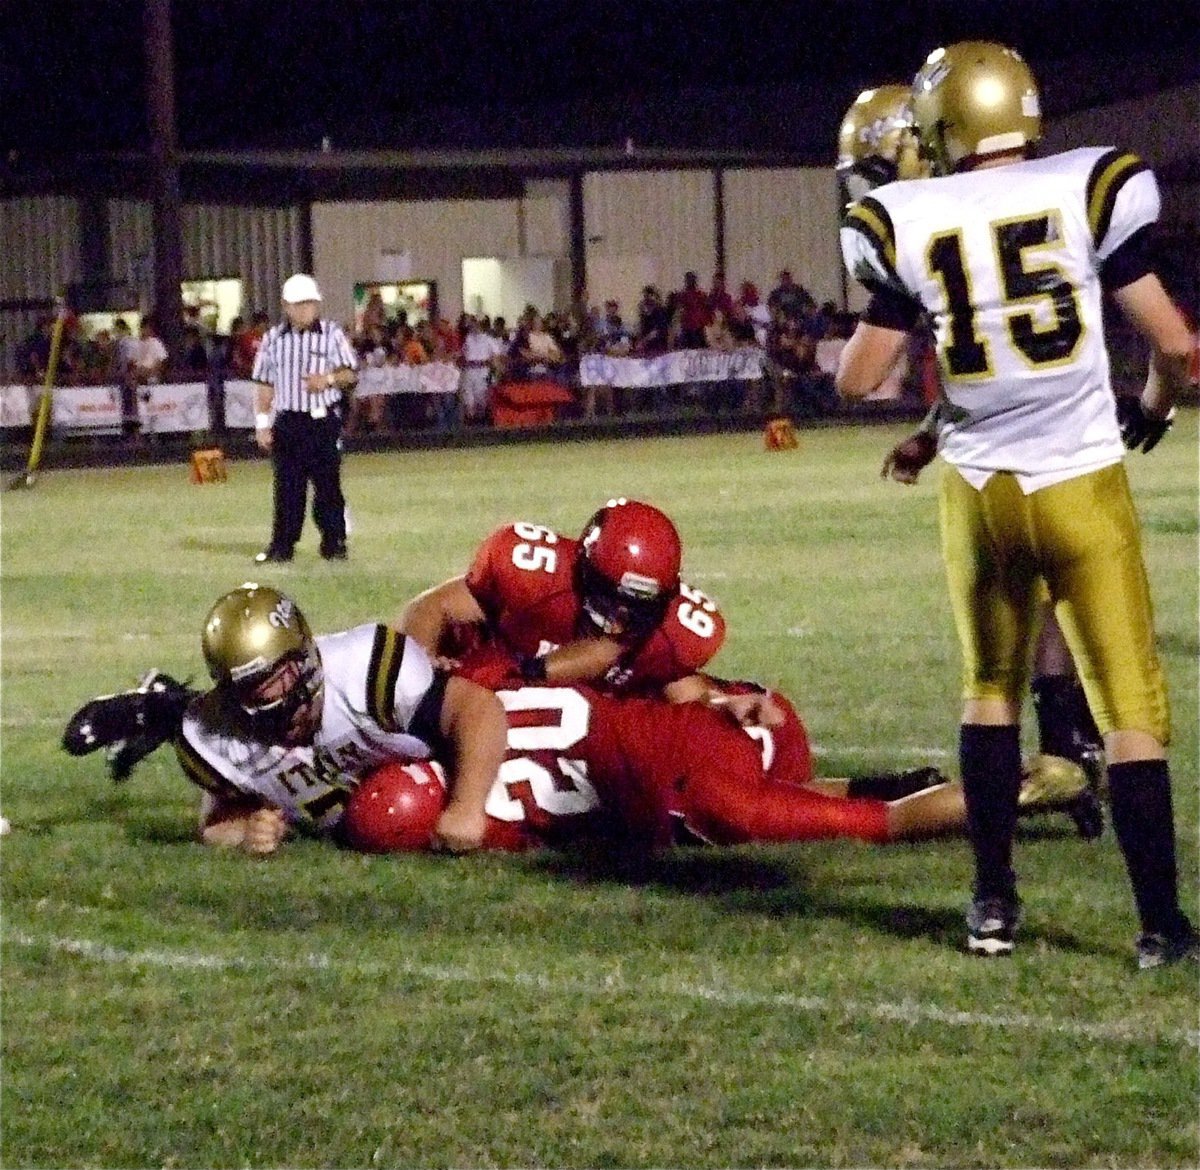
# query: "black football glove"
{"points": [[1139, 429], [131, 724]]}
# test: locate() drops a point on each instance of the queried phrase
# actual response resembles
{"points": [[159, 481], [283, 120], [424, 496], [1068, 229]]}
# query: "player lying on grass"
{"points": [[292, 716], [652, 775], [324, 713]]}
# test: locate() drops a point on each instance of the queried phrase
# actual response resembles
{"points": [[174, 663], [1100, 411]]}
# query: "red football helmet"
{"points": [[629, 568], [395, 809]]}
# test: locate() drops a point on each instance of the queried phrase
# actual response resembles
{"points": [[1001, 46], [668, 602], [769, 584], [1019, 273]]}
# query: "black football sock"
{"points": [[1142, 817], [990, 761], [894, 785], [1065, 724]]}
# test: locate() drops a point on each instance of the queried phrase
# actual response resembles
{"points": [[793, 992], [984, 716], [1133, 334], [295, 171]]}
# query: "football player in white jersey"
{"points": [[877, 144], [294, 719], [1008, 254]]}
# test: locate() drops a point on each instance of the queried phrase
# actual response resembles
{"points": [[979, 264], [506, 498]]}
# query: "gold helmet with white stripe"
{"points": [[876, 142], [974, 99]]}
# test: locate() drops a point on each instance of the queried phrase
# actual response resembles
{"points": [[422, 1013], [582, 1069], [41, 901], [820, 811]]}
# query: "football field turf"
{"points": [[166, 1005]]}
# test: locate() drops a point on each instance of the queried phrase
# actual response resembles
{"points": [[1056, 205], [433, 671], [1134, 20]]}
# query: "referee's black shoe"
{"points": [[334, 552], [273, 556], [1160, 950]]}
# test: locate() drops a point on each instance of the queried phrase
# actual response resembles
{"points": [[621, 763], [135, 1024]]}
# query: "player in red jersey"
{"points": [[580, 763], [655, 774], [607, 609]]}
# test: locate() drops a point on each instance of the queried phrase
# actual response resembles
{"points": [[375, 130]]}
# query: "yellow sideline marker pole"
{"points": [[41, 425]]}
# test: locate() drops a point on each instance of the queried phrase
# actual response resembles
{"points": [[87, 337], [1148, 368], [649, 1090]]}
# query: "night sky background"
{"points": [[530, 73]]}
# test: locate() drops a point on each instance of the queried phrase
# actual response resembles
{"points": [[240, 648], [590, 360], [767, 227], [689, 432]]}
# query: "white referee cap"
{"points": [[300, 288]]}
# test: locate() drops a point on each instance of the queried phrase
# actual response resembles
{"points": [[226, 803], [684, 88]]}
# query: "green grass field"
{"points": [[164, 1005]]}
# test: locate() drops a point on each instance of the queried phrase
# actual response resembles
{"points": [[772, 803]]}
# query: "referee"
{"points": [[303, 366]]}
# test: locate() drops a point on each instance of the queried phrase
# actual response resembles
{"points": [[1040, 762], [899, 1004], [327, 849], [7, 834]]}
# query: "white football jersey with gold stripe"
{"points": [[1006, 261], [376, 682]]}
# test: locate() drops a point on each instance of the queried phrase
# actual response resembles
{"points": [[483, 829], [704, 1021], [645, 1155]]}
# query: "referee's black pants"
{"points": [[306, 448]]}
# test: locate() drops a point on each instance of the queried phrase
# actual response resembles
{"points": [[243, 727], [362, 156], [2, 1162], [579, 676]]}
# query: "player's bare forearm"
{"points": [[429, 615], [746, 708], [586, 660], [1166, 379], [756, 709], [693, 688], [474, 723], [1154, 315], [867, 359]]}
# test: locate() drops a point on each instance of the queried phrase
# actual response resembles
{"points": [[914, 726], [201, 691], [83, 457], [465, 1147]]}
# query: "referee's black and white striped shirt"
{"points": [[287, 355]]}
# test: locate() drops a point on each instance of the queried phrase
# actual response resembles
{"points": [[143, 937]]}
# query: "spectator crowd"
{"points": [[800, 341]]}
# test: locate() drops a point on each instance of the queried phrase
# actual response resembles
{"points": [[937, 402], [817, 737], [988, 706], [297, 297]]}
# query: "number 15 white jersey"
{"points": [[1006, 261]]}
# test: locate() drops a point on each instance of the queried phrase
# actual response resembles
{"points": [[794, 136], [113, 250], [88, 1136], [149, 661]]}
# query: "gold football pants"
{"points": [[1083, 539]]}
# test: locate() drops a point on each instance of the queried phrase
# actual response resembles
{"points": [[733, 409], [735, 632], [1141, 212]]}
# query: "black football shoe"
{"points": [[1161, 950], [131, 724], [992, 926]]}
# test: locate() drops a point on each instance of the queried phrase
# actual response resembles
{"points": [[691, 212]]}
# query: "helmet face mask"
{"points": [[618, 611], [971, 100], [262, 655], [628, 569], [877, 143], [285, 706]]}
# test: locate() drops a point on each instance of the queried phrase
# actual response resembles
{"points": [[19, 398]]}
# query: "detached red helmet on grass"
{"points": [[395, 809], [629, 568]]}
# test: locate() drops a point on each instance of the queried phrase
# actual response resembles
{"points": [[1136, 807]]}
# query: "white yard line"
{"points": [[882, 752], [98, 637], [903, 1011]]}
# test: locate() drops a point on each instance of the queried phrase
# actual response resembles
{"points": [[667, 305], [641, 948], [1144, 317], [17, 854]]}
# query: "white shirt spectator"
{"points": [[479, 353], [151, 357], [478, 346], [759, 317], [128, 350]]}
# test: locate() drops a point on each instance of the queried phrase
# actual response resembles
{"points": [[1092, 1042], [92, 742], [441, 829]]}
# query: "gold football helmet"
{"points": [[260, 651], [971, 99], [876, 142]]}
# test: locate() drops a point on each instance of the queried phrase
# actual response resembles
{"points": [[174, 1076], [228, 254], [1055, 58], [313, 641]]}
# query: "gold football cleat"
{"points": [[1055, 784], [1050, 782]]}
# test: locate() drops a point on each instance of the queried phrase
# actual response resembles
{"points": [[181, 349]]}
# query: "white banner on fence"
{"points": [[431, 378], [16, 405], [86, 408], [240, 403], [173, 407], [170, 408], [183, 406], [681, 365]]}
